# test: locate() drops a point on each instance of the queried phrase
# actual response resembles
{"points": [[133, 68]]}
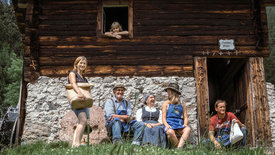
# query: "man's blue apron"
{"points": [[125, 125], [223, 133]]}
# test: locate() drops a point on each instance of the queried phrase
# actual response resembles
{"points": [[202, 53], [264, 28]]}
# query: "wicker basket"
{"points": [[73, 97]]}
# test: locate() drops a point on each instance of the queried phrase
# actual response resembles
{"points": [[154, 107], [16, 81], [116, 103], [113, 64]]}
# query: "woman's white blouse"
{"points": [[149, 109]]}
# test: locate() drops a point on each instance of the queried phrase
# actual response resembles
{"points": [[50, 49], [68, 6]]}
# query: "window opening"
{"points": [[112, 14]]}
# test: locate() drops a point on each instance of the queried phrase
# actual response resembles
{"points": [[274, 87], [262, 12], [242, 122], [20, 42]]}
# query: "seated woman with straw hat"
{"points": [[174, 117]]}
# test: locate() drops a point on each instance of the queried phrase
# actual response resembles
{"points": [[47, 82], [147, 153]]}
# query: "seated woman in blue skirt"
{"points": [[153, 133]]}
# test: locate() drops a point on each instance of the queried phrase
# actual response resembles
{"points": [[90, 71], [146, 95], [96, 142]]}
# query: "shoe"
{"points": [[83, 144], [117, 142], [135, 143]]}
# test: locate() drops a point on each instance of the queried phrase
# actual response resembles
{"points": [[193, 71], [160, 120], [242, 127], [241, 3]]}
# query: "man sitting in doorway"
{"points": [[219, 126]]}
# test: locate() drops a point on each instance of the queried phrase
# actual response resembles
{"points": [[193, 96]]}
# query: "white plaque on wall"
{"points": [[226, 44]]}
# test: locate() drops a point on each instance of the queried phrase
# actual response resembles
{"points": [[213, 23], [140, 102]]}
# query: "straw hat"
{"points": [[174, 87], [119, 85]]}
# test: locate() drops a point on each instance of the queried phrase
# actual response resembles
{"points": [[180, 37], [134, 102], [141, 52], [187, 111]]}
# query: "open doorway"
{"points": [[227, 80]]}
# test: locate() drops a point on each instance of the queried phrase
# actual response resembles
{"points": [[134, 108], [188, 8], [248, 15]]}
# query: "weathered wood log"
{"points": [[99, 19], [120, 60], [250, 121], [156, 50], [90, 6], [202, 94], [130, 19], [122, 70], [260, 101]]}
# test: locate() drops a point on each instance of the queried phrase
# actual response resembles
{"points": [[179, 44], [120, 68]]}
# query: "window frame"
{"points": [[115, 3]]}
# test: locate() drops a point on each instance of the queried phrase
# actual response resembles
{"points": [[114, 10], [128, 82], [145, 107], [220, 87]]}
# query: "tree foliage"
{"points": [[14, 74], [11, 51], [270, 61]]}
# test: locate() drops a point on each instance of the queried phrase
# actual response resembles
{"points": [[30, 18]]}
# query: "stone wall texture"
{"points": [[271, 103], [47, 102]]}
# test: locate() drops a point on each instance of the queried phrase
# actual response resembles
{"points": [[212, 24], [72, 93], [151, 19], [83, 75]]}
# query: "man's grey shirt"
{"points": [[109, 107]]}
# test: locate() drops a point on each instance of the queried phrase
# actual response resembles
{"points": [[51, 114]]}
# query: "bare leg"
{"points": [[78, 133], [172, 137], [185, 134]]}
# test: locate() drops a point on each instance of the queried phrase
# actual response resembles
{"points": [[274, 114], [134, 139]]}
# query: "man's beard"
{"points": [[119, 97]]}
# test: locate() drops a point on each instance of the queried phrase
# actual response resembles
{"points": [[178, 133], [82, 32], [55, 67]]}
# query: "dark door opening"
{"points": [[227, 80]]}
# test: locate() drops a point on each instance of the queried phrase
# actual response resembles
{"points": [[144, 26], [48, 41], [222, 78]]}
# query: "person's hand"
{"points": [[81, 96], [118, 36], [153, 125], [167, 128], [149, 125], [113, 116], [217, 144]]}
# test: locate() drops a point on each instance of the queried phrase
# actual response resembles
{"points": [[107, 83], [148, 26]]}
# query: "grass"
{"points": [[62, 148]]}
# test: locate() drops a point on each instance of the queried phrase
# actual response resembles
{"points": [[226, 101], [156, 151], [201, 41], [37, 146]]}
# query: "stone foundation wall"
{"points": [[47, 101], [271, 103]]}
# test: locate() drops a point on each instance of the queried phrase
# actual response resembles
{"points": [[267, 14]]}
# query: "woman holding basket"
{"points": [[76, 76]]}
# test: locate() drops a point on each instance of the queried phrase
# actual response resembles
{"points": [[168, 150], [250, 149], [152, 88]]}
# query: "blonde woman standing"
{"points": [[76, 76], [174, 117]]}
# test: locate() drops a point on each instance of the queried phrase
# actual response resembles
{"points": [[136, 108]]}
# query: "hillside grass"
{"points": [[62, 148]]}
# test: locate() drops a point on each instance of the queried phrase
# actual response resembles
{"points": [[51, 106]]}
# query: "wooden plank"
{"points": [[67, 12], [201, 41], [193, 2], [91, 32], [22, 112], [70, 2], [88, 16], [64, 27], [209, 51], [250, 120], [122, 70], [130, 19], [162, 28], [122, 60], [68, 22], [202, 94], [69, 7], [99, 19], [115, 2], [194, 32], [260, 101], [181, 14], [222, 22], [191, 6], [194, 40]]}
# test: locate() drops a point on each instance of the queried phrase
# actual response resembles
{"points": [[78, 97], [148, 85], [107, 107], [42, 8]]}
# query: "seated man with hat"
{"points": [[118, 118]]}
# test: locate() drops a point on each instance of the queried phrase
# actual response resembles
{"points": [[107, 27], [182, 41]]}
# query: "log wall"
{"points": [[166, 35]]}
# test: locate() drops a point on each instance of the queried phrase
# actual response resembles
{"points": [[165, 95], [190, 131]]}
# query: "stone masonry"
{"points": [[47, 102], [271, 103]]}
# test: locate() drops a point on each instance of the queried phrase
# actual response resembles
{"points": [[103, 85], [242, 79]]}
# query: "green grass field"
{"points": [[61, 148]]}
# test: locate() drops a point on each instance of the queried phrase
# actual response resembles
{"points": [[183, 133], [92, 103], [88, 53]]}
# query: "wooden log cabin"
{"points": [[220, 43]]}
